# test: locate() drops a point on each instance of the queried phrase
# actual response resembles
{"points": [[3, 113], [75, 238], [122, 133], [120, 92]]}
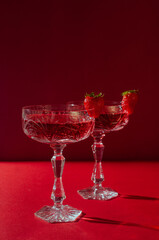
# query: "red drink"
{"points": [[57, 125], [61, 128], [109, 121]]}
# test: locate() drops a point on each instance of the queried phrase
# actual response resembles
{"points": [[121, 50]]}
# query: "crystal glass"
{"points": [[57, 125], [113, 118]]}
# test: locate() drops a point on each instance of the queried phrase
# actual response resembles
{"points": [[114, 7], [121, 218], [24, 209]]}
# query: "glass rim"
{"points": [[57, 107]]}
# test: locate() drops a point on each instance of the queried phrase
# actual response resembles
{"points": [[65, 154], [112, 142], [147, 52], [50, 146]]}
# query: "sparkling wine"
{"points": [[51, 128], [109, 121]]}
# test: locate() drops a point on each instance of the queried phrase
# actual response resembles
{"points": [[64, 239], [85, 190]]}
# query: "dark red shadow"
{"points": [[137, 197], [116, 222], [108, 221]]}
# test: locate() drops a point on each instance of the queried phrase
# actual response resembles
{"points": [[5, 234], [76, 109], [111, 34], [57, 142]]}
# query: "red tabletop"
{"points": [[26, 186]]}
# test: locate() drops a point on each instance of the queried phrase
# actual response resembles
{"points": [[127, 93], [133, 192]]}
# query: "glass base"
{"points": [[53, 215], [97, 193]]}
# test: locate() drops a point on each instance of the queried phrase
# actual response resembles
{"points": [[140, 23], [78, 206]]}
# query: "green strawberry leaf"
{"points": [[129, 91], [93, 95]]}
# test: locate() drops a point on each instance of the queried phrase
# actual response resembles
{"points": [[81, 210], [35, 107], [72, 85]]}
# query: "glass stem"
{"points": [[58, 161], [98, 149]]}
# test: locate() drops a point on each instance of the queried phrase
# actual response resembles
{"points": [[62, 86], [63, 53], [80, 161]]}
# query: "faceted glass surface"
{"points": [[113, 118], [57, 125]]}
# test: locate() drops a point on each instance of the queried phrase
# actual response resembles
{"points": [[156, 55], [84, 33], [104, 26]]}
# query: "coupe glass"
{"points": [[57, 125], [113, 118]]}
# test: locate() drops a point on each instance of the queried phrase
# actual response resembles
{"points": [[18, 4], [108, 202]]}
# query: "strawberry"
{"points": [[129, 100], [95, 102]]}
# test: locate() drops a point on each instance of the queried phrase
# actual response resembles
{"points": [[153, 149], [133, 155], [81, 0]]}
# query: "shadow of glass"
{"points": [[108, 221], [116, 222], [127, 196]]}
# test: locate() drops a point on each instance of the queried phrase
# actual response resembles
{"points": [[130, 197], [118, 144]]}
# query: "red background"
{"points": [[56, 51]]}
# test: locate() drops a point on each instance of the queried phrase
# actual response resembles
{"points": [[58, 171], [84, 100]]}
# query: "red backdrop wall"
{"points": [[56, 51]]}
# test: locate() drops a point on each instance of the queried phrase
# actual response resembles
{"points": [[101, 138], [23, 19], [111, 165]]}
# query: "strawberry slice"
{"points": [[95, 102], [129, 100]]}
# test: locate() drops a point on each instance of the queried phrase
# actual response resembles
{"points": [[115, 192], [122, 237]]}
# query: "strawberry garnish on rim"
{"points": [[129, 100], [95, 102]]}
